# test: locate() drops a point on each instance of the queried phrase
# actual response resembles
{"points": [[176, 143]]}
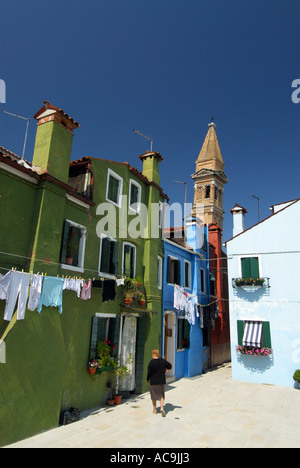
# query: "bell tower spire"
{"points": [[209, 180]]}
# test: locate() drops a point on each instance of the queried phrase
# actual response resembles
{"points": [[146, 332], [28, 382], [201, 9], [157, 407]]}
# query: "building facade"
{"points": [[264, 299], [77, 221], [184, 340]]}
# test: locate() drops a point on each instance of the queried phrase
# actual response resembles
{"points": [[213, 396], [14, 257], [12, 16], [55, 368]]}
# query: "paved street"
{"points": [[210, 411]]}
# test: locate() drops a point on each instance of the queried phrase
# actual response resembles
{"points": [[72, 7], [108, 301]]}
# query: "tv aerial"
{"points": [[26, 133], [146, 137]]}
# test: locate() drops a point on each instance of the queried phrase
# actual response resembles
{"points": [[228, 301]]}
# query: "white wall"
{"points": [[276, 241]]}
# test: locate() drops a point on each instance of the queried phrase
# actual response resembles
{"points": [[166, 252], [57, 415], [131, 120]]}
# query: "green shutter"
{"points": [[114, 258], [105, 250], [254, 270], [246, 267], [113, 189], [64, 244], [128, 262], [250, 267], [240, 330], [134, 194], [266, 335]]}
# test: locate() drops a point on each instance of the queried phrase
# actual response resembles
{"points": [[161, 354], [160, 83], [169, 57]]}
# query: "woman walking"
{"points": [[157, 370]]}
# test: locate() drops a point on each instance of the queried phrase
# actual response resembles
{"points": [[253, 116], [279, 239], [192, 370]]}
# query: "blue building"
{"points": [[186, 268]]}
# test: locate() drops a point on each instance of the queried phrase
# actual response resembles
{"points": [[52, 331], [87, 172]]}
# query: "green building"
{"points": [[81, 219]]}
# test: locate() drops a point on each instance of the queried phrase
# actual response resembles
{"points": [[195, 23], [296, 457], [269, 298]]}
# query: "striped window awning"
{"points": [[252, 334]]}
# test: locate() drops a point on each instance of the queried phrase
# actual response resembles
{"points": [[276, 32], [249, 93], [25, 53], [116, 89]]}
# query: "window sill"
{"points": [[72, 268]]}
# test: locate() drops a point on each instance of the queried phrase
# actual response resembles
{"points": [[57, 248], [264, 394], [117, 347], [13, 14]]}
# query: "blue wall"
{"points": [[189, 361]]}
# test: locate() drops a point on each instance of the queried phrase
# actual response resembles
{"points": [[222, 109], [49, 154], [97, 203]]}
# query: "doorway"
{"points": [[170, 342]]}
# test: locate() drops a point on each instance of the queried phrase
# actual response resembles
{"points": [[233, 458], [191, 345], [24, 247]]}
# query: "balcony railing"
{"points": [[251, 283]]}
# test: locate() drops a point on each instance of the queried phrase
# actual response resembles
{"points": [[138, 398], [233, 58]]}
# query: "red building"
{"points": [[220, 329]]}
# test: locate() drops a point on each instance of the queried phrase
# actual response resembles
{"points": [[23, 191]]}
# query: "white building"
{"points": [[267, 316]]}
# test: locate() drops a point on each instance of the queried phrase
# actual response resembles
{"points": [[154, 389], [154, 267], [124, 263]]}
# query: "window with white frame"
{"points": [[159, 272], [114, 188], [135, 195], [187, 274], [73, 246], [105, 327], [109, 256], [129, 260], [173, 270]]}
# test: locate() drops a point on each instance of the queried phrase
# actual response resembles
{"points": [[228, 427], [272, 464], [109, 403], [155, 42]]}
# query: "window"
{"points": [[187, 274], [129, 260], [73, 246], [109, 256], [173, 273], [81, 179], [183, 333], [135, 193], [159, 272], [254, 333], [104, 327], [114, 188], [250, 267], [202, 273], [207, 191]]}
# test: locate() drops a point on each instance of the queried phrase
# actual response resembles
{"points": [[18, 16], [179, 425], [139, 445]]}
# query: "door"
{"points": [[170, 341]]}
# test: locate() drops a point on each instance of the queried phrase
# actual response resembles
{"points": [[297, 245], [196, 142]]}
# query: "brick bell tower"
{"points": [[209, 180]]}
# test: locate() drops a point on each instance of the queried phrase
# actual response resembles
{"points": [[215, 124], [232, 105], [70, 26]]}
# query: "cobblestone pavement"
{"points": [[209, 411]]}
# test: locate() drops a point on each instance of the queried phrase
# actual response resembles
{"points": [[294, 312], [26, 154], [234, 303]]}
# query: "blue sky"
{"points": [[163, 67]]}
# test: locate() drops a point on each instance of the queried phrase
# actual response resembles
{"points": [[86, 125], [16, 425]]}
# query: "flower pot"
{"points": [[127, 300], [141, 303], [110, 402], [69, 260], [92, 371], [117, 399]]}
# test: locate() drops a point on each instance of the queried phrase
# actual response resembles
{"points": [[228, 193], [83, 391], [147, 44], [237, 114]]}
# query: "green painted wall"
{"points": [[47, 353]]}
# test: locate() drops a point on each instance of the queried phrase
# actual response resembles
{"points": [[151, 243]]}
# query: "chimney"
{"points": [[53, 143], [151, 160], [238, 213]]}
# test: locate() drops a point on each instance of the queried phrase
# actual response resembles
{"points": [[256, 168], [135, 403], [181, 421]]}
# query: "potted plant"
{"points": [[250, 284], [106, 363], [92, 367], [130, 290], [140, 298], [296, 376], [120, 372]]}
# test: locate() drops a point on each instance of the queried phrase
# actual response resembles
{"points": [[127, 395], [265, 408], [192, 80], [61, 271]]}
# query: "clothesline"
{"points": [[33, 291], [193, 295]]}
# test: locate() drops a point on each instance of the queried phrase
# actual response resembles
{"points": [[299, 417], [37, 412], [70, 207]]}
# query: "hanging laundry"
{"points": [[36, 284], [179, 298], [52, 293], [86, 291], [109, 290], [97, 284], [17, 290], [73, 284], [120, 281], [5, 285], [190, 306]]}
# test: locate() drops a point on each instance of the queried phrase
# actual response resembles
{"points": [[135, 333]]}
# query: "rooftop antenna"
{"points": [[27, 125], [258, 200], [147, 138]]}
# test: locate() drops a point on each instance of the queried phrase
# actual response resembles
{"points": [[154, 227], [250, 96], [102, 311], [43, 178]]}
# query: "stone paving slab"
{"points": [[209, 411]]}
